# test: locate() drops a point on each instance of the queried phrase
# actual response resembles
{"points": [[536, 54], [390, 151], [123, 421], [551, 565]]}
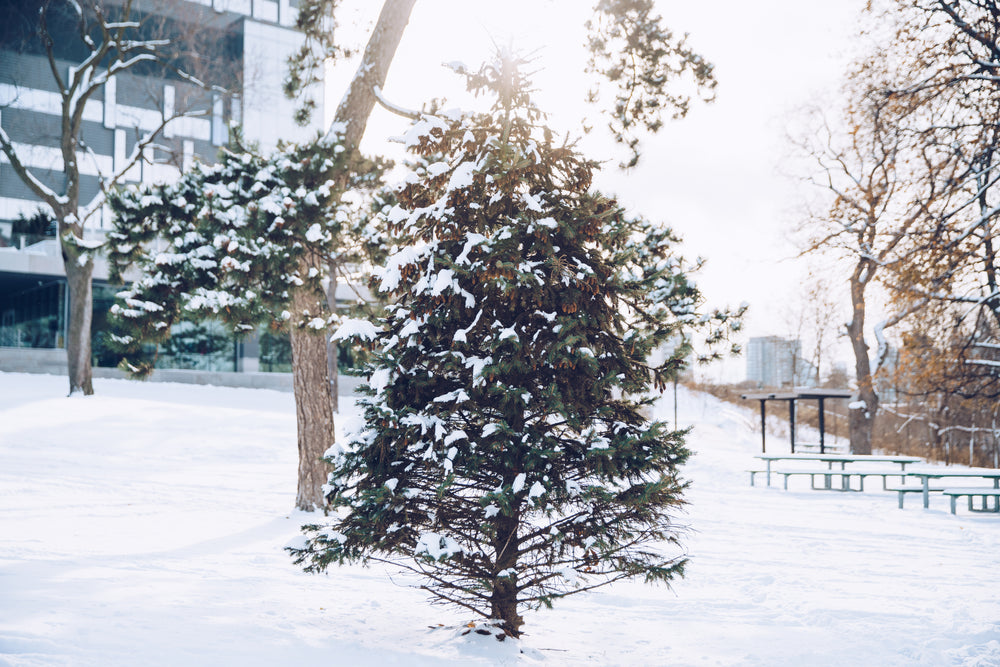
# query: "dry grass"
{"points": [[947, 430]]}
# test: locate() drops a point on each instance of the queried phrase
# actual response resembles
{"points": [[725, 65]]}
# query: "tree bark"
{"points": [[313, 408], [359, 101], [80, 293], [861, 419], [313, 369], [503, 600], [332, 371]]}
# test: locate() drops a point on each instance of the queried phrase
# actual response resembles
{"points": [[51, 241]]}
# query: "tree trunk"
{"points": [[861, 424], [861, 419], [359, 101], [312, 374], [80, 293], [503, 600], [332, 371], [313, 410]]}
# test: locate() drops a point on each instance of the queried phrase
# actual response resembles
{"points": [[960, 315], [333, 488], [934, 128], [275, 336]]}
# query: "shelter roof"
{"points": [[799, 393]]}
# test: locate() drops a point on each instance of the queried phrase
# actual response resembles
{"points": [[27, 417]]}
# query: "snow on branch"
{"points": [[122, 65], [91, 244], [151, 44], [983, 362], [393, 108], [190, 78], [39, 188], [355, 328], [148, 140]]}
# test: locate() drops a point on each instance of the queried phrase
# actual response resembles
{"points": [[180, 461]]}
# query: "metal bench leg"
{"points": [[953, 499], [901, 494]]}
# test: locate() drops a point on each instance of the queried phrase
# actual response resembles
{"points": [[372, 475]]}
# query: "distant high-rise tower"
{"points": [[777, 362]]}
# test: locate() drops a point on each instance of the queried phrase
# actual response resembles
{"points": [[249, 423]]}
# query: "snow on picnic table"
{"points": [[145, 525]]}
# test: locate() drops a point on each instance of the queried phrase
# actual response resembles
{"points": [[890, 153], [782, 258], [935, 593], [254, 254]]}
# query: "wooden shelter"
{"points": [[792, 396]]}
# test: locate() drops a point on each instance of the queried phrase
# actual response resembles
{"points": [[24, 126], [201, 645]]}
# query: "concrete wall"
{"points": [[25, 360], [53, 362]]}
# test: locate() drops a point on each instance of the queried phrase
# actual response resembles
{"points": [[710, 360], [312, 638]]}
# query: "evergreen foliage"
{"points": [[231, 241], [198, 345], [38, 227], [504, 455]]}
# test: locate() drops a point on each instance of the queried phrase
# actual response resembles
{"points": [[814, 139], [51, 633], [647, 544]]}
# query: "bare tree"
{"points": [[101, 44], [954, 82], [816, 319], [883, 179]]}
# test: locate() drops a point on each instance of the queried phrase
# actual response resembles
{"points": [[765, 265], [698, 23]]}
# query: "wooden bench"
{"points": [[787, 474], [830, 459], [939, 473], [845, 477], [861, 474], [973, 492], [902, 491]]}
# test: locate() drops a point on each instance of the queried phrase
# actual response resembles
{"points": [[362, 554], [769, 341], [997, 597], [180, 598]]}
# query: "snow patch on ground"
{"points": [[146, 525]]}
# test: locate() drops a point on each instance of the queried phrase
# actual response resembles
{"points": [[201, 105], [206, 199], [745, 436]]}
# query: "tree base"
{"points": [[491, 627]]}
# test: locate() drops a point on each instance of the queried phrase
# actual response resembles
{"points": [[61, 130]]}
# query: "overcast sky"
{"points": [[715, 176]]}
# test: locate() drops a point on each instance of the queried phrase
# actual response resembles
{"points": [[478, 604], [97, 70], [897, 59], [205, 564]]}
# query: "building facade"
{"points": [[776, 362], [241, 47]]}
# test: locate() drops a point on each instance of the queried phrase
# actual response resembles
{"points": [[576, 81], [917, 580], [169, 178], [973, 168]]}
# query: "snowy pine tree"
{"points": [[504, 455], [248, 241]]}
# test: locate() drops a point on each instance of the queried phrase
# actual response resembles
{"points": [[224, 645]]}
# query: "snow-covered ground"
{"points": [[145, 526]]}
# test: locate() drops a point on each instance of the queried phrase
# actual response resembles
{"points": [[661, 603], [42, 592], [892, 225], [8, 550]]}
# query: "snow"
{"points": [[355, 328], [462, 177], [314, 233], [472, 240], [518, 483], [437, 546], [437, 169], [145, 525]]}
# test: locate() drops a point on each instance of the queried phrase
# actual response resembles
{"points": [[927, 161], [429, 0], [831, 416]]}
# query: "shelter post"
{"points": [[791, 422], [763, 427], [822, 426]]}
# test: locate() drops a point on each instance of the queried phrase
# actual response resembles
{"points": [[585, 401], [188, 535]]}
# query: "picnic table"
{"points": [[830, 459], [925, 476]]}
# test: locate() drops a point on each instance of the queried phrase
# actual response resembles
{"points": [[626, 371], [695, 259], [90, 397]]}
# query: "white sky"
{"points": [[715, 176]]}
